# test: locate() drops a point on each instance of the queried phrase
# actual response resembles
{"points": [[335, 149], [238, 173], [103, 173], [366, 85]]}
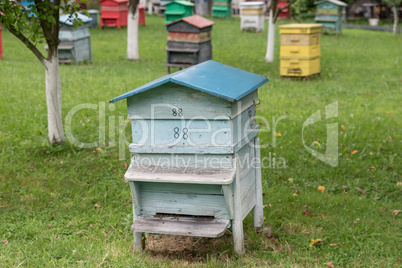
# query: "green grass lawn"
{"points": [[63, 206]]}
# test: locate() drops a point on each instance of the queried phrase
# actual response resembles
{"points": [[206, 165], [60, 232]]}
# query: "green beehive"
{"points": [[329, 14], [178, 9], [222, 8]]}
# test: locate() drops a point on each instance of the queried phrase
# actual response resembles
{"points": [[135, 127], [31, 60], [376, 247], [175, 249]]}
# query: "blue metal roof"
{"points": [[211, 77], [66, 20]]}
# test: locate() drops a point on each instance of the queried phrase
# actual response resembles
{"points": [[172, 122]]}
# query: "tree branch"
{"points": [[29, 44], [133, 5], [278, 11]]}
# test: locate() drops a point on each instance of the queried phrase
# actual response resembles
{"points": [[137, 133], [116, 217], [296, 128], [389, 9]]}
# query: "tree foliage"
{"points": [[43, 26]]}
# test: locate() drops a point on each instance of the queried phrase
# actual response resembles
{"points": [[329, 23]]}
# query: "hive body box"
{"points": [[178, 9], [114, 13], [329, 14], [300, 49], [222, 8], [251, 16], [189, 42], [75, 44], [195, 170]]}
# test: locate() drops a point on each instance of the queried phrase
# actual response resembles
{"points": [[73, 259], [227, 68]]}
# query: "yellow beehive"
{"points": [[300, 49]]}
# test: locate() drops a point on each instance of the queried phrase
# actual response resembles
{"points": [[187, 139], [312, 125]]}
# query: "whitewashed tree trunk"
{"points": [[53, 100], [269, 57], [395, 11], [132, 35], [150, 7]]}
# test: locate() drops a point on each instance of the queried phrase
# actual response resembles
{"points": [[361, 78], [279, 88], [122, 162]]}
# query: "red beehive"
{"points": [[113, 13], [141, 11], [285, 14]]}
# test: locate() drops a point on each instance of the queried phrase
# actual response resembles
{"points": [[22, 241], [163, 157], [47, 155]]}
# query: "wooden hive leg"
{"points": [[135, 193], [258, 212], [237, 223]]}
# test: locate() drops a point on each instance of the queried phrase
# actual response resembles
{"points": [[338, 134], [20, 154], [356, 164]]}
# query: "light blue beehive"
{"points": [[329, 14], [195, 151], [75, 43]]}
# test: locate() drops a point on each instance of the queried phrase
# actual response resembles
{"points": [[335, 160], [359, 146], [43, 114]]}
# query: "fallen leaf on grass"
{"points": [[277, 134], [330, 264], [99, 149], [361, 190], [50, 225], [317, 143], [343, 127], [336, 245], [395, 212], [321, 189], [53, 214], [97, 206], [125, 165], [307, 212], [4, 242], [290, 179], [353, 152], [316, 242], [372, 168]]}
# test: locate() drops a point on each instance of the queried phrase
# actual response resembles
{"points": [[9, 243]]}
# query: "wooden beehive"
{"points": [[252, 16], [196, 164], [222, 8], [300, 49], [189, 42], [178, 9], [75, 43], [285, 14], [329, 14], [94, 16], [113, 13]]}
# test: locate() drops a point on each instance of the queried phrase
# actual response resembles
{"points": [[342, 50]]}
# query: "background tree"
{"points": [[44, 27], [394, 6], [273, 16], [132, 30]]}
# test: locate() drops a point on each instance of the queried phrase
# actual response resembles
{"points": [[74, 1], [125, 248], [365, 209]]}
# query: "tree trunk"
{"points": [[53, 100], [150, 7], [395, 11], [269, 57], [132, 35]]}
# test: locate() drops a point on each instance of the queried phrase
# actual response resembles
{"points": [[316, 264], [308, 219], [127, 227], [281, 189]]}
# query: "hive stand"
{"points": [[196, 166]]}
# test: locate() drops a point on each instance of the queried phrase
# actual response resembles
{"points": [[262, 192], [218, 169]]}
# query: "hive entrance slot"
{"points": [[173, 224], [178, 216]]}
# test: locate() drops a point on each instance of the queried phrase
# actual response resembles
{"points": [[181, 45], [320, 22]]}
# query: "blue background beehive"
{"points": [[329, 14], [194, 136]]}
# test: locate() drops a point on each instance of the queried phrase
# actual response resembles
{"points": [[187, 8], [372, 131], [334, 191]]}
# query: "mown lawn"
{"points": [[64, 206]]}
